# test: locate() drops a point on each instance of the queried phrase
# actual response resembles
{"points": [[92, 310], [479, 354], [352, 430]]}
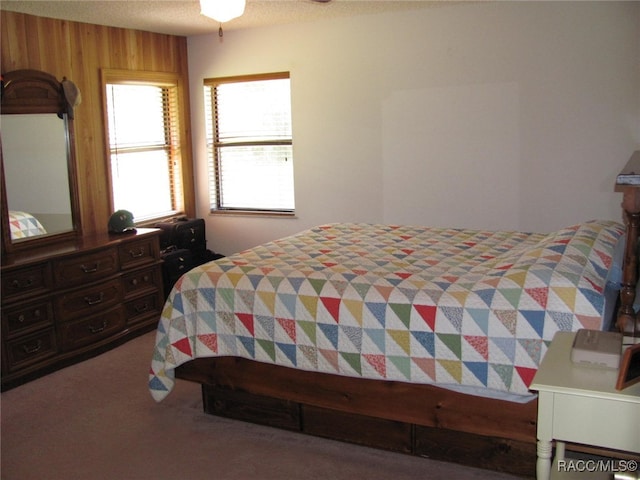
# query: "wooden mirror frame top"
{"points": [[32, 92]]}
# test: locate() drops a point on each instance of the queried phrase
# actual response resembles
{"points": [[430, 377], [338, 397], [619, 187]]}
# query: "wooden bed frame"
{"points": [[423, 420], [410, 418]]}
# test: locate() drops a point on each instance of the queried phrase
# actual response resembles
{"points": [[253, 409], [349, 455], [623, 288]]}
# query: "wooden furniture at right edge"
{"points": [[628, 183]]}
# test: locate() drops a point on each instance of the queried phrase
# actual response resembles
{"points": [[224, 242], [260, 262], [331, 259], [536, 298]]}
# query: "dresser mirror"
{"points": [[40, 203]]}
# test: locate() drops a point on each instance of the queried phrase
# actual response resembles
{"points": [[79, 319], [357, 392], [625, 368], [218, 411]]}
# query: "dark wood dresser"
{"points": [[66, 303]]}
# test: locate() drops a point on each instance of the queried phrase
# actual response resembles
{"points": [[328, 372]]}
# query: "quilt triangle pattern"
{"points": [[405, 303]]}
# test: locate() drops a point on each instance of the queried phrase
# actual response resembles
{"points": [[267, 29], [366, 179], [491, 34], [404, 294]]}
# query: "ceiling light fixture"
{"points": [[222, 10]]}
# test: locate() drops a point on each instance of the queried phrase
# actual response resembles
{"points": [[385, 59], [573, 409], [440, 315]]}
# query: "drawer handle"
{"points": [[86, 269], [142, 307], [32, 349], [136, 254], [94, 300], [25, 284], [36, 314], [94, 329], [135, 281]]}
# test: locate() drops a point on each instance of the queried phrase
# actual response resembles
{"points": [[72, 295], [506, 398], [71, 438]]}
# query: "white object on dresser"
{"points": [[580, 404]]}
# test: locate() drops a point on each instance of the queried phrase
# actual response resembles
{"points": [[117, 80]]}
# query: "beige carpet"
{"points": [[96, 420]]}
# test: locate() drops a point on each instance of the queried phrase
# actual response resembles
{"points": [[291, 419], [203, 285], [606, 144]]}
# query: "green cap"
{"points": [[121, 221]]}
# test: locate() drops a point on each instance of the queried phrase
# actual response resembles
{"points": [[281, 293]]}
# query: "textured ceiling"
{"points": [[183, 17]]}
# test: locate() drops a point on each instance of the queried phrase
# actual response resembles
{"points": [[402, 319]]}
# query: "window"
{"points": [[144, 143], [249, 143]]}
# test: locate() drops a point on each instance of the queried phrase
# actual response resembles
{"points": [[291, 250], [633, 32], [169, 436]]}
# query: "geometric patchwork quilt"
{"points": [[24, 225], [404, 303]]}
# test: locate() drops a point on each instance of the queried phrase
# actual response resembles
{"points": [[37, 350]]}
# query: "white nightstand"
{"points": [[580, 404]]}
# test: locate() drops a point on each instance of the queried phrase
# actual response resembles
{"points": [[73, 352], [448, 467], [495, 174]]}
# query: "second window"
{"points": [[250, 147]]}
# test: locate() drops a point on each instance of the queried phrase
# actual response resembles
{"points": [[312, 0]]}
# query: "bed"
{"points": [[24, 225], [415, 339]]}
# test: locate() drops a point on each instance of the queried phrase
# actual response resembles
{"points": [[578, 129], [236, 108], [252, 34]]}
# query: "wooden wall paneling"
{"points": [[188, 173], [92, 53], [14, 44], [32, 24], [131, 61], [79, 51], [151, 50], [147, 50], [54, 45]]}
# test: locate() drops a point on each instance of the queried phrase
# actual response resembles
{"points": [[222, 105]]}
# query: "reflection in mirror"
{"points": [[35, 156]]}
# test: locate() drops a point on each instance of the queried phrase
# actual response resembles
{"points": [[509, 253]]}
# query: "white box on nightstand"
{"points": [[596, 348]]}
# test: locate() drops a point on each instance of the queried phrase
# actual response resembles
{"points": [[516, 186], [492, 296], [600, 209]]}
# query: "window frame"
{"points": [[213, 160], [182, 192]]}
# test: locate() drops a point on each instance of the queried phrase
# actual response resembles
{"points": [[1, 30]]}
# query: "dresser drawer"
{"points": [[138, 252], [29, 349], [81, 269], [141, 308], [24, 318], [79, 333], [31, 280], [87, 301], [141, 281]]}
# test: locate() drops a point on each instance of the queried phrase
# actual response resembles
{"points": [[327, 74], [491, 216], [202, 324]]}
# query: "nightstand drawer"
{"points": [[83, 269], [87, 331], [26, 350], [597, 421], [87, 301], [24, 318], [139, 252]]}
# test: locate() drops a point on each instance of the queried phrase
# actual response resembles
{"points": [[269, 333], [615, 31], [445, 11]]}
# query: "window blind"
{"points": [[144, 145], [249, 139]]}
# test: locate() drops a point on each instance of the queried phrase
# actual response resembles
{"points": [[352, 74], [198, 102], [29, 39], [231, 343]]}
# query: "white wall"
{"points": [[506, 115]]}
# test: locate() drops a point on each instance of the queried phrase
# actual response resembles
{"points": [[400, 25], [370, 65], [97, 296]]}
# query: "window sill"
{"points": [[250, 213], [150, 222]]}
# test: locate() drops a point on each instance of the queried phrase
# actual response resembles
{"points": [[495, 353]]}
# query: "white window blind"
{"points": [[144, 149], [249, 139]]}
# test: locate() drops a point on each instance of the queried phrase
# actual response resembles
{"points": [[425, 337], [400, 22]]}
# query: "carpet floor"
{"points": [[97, 421]]}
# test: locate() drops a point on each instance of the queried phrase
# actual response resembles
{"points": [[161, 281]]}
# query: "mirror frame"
{"points": [[34, 91]]}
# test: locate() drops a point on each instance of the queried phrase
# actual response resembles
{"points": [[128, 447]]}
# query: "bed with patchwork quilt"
{"points": [[388, 315], [24, 225]]}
